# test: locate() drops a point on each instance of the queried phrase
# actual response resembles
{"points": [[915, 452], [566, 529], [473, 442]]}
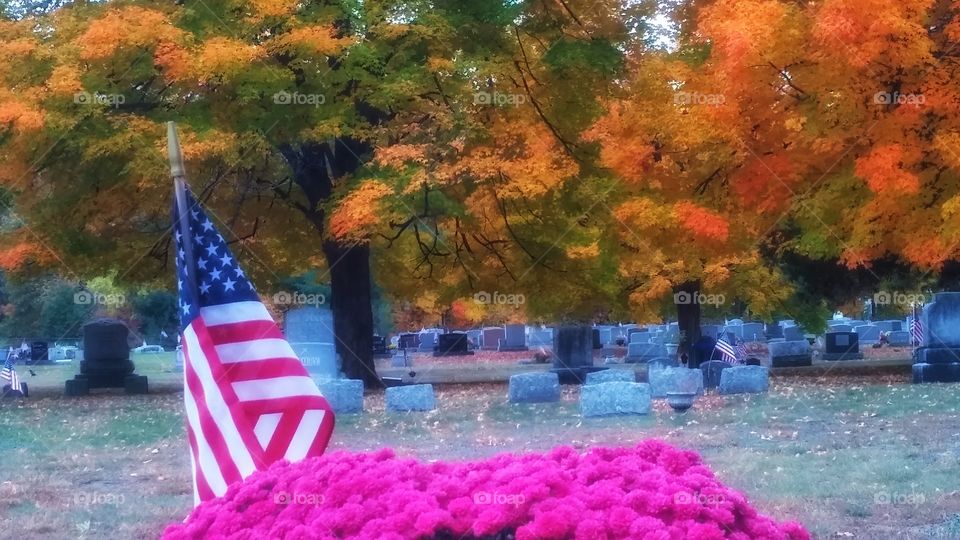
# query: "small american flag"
{"points": [[249, 400], [727, 351], [916, 328], [10, 374]]}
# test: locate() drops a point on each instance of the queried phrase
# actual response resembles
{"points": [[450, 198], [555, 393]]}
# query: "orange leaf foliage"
{"points": [[884, 172], [126, 28], [359, 212], [12, 258], [702, 223]]}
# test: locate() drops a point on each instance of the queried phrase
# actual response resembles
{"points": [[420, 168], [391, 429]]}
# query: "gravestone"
{"points": [[840, 328], [409, 341], [736, 330], [774, 331], [178, 363], [414, 397], [640, 337], [711, 372], [857, 322], [678, 379], [474, 338], [538, 387], [380, 346], [428, 340], [573, 353], [595, 336], [842, 346], [309, 330], [890, 326], [643, 352], [491, 338], [514, 338], [735, 322], [106, 362], [611, 375], [538, 338], [752, 331], [790, 353], [344, 395], [868, 334], [937, 357], [710, 330], [793, 333], [606, 334], [615, 398], [744, 380], [452, 344], [899, 338]]}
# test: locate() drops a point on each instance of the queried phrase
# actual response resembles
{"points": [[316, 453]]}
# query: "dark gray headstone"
{"points": [[573, 347], [790, 353], [842, 346], [106, 361], [929, 373], [452, 344], [409, 341]]}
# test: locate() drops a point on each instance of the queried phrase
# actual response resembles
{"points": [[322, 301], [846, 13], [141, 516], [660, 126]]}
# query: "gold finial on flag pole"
{"points": [[173, 151]]}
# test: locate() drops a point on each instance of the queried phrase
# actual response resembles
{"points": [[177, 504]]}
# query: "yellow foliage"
{"points": [[225, 56], [64, 80], [317, 39]]}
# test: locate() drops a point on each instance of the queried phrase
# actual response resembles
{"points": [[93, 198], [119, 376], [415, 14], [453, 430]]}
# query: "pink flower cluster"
{"points": [[651, 492]]}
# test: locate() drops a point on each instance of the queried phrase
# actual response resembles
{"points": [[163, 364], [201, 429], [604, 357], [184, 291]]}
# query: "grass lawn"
{"points": [[849, 457]]}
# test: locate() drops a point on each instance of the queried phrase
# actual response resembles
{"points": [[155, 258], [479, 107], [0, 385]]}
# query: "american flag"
{"points": [[916, 328], [249, 400], [10, 374], [727, 351]]}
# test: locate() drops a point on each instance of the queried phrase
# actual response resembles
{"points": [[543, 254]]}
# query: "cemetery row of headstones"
{"points": [[605, 392]]}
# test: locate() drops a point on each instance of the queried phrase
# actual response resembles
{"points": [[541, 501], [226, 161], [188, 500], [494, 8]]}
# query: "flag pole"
{"points": [[178, 173]]}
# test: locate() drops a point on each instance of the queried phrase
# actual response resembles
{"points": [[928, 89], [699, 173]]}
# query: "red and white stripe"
{"points": [[249, 400]]}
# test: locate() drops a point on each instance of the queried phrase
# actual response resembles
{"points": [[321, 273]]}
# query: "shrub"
{"points": [[652, 491]]}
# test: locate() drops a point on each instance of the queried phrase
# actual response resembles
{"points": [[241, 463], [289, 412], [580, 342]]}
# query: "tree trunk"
{"points": [[688, 319], [350, 287]]}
